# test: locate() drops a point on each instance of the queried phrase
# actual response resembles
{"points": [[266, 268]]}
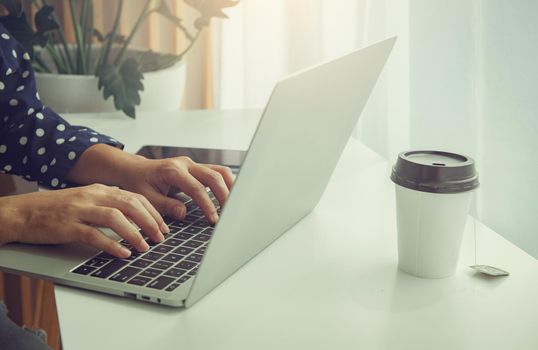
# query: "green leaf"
{"points": [[151, 61], [123, 84], [44, 21], [209, 9]]}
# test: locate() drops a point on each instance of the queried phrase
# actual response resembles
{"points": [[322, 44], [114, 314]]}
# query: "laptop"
{"points": [[304, 128]]}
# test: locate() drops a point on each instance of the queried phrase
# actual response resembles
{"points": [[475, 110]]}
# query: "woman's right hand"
{"points": [[73, 215]]}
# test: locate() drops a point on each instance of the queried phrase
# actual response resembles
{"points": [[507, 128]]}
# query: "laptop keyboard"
{"points": [[165, 265]]}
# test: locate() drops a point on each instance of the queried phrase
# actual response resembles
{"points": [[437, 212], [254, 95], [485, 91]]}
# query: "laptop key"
{"points": [[201, 250], [107, 256], [174, 242], [202, 223], [125, 274], [192, 244], [162, 265], [202, 237], [84, 270], [183, 250], [172, 287], [97, 262], [150, 273], [161, 282], [183, 279], [175, 272], [139, 280], [173, 257], [186, 265], [183, 236], [195, 257], [178, 225], [110, 268], [193, 272], [208, 231], [192, 229], [152, 256], [162, 248], [141, 263]]}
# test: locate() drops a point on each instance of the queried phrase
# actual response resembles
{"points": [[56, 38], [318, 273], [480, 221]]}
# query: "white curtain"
{"points": [[463, 77], [264, 41]]}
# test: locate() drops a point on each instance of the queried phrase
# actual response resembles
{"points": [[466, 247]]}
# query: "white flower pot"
{"points": [[163, 91]]}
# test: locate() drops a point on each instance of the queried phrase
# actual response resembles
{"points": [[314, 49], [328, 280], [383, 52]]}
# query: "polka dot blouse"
{"points": [[35, 142]]}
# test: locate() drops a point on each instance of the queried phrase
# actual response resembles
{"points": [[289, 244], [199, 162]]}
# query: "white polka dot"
{"points": [[20, 126], [40, 132], [20, 88], [7, 167], [37, 95], [9, 71], [28, 177], [94, 139], [13, 102], [23, 140], [39, 116], [54, 182], [71, 139], [30, 111], [5, 36], [25, 74], [71, 155], [53, 161], [6, 118], [44, 169], [14, 53], [63, 186], [60, 141], [94, 133], [25, 160], [26, 56], [2, 86], [3, 148], [41, 151], [60, 127]]}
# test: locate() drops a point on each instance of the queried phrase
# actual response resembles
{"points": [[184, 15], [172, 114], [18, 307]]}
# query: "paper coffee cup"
{"points": [[433, 193]]}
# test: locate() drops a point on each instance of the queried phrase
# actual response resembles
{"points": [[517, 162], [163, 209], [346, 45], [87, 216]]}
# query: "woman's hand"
{"points": [[154, 178], [72, 215]]}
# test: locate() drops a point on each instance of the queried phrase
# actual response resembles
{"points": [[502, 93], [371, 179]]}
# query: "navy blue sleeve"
{"points": [[35, 142]]}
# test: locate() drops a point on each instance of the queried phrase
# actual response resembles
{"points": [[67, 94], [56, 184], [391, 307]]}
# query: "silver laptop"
{"points": [[304, 129]]}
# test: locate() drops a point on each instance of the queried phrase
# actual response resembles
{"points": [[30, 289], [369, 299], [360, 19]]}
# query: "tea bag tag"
{"points": [[490, 270], [485, 269]]}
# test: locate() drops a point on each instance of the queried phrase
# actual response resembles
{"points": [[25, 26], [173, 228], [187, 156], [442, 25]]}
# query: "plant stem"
{"points": [[57, 61], [143, 15], [88, 30], [193, 40], [81, 57], [62, 39], [111, 36], [41, 64]]}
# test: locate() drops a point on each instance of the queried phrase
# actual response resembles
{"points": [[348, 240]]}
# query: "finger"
{"points": [[130, 205], [212, 179], [194, 189], [225, 172], [95, 238], [155, 213], [169, 206], [114, 219]]}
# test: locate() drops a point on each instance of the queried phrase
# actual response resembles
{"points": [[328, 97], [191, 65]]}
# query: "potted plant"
{"points": [[100, 72]]}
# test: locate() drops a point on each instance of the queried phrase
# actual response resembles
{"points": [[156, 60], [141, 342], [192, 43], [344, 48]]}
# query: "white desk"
{"points": [[330, 282]]}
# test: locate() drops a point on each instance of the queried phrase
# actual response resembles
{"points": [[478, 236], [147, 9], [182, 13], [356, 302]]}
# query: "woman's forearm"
{"points": [[102, 164]]}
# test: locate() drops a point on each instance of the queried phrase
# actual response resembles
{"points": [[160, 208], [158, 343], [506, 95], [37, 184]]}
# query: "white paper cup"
{"points": [[433, 194]]}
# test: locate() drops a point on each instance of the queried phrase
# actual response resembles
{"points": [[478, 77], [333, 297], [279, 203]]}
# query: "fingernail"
{"points": [[124, 251], [179, 212], [145, 246], [164, 228], [215, 218]]}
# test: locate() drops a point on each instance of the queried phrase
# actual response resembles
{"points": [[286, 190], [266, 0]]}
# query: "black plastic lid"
{"points": [[435, 171]]}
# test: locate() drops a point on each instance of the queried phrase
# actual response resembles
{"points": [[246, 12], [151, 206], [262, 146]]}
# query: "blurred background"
{"points": [[461, 78]]}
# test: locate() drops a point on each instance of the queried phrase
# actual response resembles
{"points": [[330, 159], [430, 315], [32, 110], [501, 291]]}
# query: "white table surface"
{"points": [[331, 282]]}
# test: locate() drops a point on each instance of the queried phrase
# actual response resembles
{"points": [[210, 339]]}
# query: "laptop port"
{"points": [[145, 297], [130, 295]]}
